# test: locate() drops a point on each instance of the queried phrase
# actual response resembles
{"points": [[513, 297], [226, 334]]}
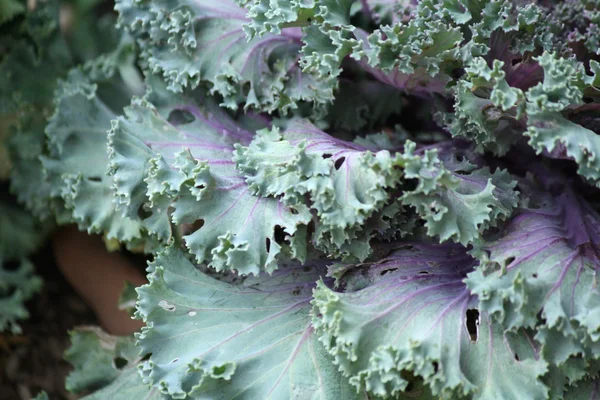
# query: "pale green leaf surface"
{"points": [[457, 200], [345, 183], [108, 366], [76, 163], [98, 358], [177, 156], [251, 338], [552, 132]]}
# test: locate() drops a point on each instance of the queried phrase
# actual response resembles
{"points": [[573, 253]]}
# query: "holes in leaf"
{"points": [[220, 370], [339, 162], [310, 228], [541, 319], [94, 179], [296, 292], [493, 267], [165, 305], [410, 184], [415, 383], [382, 273], [473, 323], [143, 213], [180, 117], [246, 89], [517, 357], [494, 230], [588, 100], [326, 156], [509, 261], [199, 223], [279, 234], [268, 244], [294, 211], [120, 362], [535, 275], [11, 266], [423, 272], [436, 367], [516, 61], [457, 73]]}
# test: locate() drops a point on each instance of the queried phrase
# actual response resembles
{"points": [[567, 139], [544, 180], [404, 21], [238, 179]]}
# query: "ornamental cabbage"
{"points": [[342, 199]]}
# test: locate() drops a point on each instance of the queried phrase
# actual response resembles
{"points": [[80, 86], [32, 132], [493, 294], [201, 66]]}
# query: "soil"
{"points": [[33, 361]]}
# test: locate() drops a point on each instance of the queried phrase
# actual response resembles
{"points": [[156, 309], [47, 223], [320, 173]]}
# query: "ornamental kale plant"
{"points": [[343, 199]]}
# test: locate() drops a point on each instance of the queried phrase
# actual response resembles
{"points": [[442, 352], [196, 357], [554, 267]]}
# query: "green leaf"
{"points": [[127, 386], [564, 82], [410, 314], [9, 9], [346, 184], [177, 156], [108, 366], [76, 165], [250, 338], [17, 285], [20, 235], [98, 358], [550, 131], [457, 200], [491, 120], [272, 16]]}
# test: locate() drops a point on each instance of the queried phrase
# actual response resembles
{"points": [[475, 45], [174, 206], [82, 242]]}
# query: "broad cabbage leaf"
{"points": [[410, 314], [192, 43], [540, 271], [171, 164], [221, 339]]}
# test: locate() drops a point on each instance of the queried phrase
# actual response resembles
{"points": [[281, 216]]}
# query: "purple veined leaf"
{"points": [[540, 271], [236, 337], [202, 42], [521, 73], [344, 183], [171, 164], [418, 83], [410, 314]]}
